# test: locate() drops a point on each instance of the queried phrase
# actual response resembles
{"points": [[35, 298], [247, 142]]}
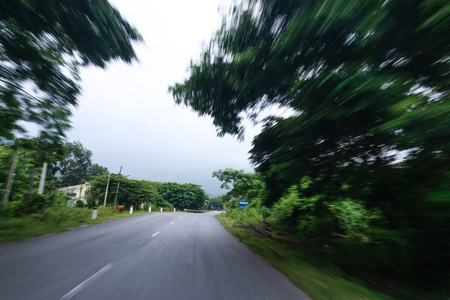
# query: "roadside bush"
{"points": [[304, 215], [60, 214], [80, 204], [246, 216], [90, 201], [15, 209], [258, 205], [233, 203], [353, 218]]}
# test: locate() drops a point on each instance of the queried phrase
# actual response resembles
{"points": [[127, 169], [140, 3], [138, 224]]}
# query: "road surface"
{"points": [[155, 256]]}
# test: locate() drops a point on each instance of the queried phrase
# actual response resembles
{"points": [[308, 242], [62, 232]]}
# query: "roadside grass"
{"points": [[55, 219], [316, 282]]}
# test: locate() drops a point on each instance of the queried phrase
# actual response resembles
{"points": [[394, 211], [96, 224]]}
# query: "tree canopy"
{"points": [[182, 196], [131, 192], [368, 85], [243, 184], [42, 46], [366, 80], [75, 166]]}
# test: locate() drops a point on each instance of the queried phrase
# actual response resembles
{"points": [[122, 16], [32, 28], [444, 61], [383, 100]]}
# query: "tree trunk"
{"points": [[42, 182], [30, 190], [9, 183]]}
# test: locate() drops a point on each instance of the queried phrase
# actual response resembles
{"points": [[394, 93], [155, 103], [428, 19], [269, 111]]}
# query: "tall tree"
{"points": [[182, 196], [76, 166], [368, 82], [240, 183], [42, 46], [131, 192]]}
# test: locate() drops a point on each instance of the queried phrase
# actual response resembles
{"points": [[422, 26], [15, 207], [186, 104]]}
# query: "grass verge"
{"points": [[55, 220], [317, 283]]}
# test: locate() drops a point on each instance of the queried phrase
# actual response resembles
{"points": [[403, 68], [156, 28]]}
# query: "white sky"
{"points": [[126, 116]]}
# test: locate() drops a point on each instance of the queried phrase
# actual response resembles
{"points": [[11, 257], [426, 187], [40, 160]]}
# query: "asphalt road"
{"points": [[156, 256]]}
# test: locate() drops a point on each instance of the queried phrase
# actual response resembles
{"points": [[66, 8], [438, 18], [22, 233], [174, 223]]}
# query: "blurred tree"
{"points": [[31, 154], [76, 166], [368, 83], [98, 170], [42, 46], [131, 192], [182, 196], [246, 185], [215, 203]]}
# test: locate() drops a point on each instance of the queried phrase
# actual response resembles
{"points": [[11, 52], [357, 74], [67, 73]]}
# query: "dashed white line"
{"points": [[79, 287], [155, 234], [172, 223]]}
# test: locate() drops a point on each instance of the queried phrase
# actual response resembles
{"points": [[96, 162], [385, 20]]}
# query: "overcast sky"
{"points": [[126, 116]]}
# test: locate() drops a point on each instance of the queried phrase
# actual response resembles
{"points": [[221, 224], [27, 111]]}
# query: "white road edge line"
{"points": [[155, 234], [172, 223], [79, 287]]}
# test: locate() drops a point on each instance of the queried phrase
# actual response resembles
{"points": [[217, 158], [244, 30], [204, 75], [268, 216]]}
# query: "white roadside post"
{"points": [[161, 209], [149, 209], [94, 213], [174, 209], [131, 209]]}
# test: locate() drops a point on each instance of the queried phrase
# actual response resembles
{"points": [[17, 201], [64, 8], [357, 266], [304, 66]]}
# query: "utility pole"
{"points": [[107, 186], [118, 183]]}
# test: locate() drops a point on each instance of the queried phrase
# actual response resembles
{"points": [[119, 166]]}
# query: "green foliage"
{"points": [[15, 209], [246, 216], [42, 48], [76, 166], [25, 163], [232, 203], [353, 217], [90, 201], [297, 214], [79, 203], [215, 203], [367, 87], [243, 185], [131, 191], [188, 195]]}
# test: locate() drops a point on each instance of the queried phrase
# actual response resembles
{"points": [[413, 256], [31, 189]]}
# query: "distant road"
{"points": [[156, 256]]}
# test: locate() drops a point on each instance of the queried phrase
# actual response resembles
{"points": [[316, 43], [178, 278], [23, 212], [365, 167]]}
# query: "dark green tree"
{"points": [[215, 203], [76, 165], [98, 170], [368, 85], [42, 47], [188, 195], [240, 183], [31, 154], [131, 191]]}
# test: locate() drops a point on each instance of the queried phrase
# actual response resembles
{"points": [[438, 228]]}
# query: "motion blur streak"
{"points": [[369, 138]]}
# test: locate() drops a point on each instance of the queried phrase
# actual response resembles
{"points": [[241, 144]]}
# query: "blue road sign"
{"points": [[242, 203]]}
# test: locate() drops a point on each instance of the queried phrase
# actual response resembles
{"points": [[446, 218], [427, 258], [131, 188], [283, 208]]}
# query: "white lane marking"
{"points": [[79, 287], [155, 234], [172, 223]]}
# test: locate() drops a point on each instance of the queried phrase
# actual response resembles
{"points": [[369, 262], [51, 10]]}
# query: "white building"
{"points": [[76, 192]]}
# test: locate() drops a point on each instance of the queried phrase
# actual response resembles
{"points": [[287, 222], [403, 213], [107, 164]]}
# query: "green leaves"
{"points": [[41, 50], [368, 84], [182, 196], [246, 185]]}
